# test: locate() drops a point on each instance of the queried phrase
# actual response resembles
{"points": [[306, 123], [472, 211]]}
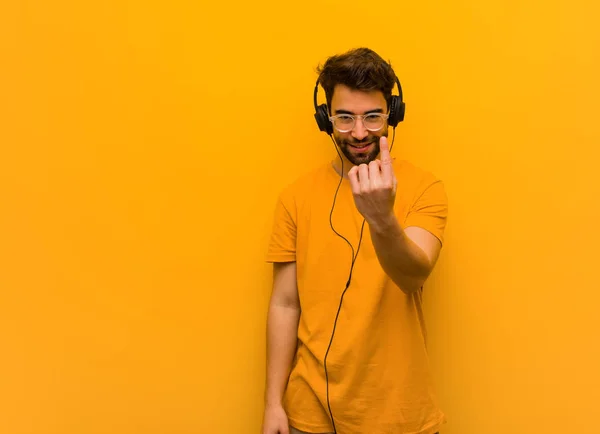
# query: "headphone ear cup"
{"points": [[396, 111], [322, 118]]}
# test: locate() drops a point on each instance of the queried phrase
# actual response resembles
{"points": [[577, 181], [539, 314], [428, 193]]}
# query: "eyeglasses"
{"points": [[372, 121]]}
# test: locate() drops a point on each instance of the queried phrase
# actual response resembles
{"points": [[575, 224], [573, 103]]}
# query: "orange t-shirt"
{"points": [[379, 378]]}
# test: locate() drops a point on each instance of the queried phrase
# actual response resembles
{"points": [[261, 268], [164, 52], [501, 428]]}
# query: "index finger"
{"points": [[384, 149], [386, 159]]}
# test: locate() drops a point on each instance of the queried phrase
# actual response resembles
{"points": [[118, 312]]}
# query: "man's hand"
{"points": [[374, 187], [275, 420]]}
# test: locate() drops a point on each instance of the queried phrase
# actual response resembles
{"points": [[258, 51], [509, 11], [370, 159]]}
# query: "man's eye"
{"points": [[345, 119]]}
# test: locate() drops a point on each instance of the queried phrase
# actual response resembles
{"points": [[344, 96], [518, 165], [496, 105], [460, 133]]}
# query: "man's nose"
{"points": [[359, 131]]}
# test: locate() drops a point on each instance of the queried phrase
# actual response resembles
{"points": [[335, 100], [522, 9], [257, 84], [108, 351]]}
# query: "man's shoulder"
{"points": [[412, 173], [418, 185], [307, 181]]}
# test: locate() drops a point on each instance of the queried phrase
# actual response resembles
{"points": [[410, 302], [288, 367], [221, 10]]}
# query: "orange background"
{"points": [[142, 146]]}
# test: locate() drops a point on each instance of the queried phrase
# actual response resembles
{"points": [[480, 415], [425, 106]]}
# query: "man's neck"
{"points": [[337, 166]]}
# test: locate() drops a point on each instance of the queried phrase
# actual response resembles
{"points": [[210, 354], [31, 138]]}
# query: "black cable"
{"points": [[354, 256]]}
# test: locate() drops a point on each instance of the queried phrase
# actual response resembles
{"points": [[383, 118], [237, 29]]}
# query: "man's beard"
{"points": [[359, 158]]}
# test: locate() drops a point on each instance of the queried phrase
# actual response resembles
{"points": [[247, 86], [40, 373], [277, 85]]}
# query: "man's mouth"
{"points": [[362, 146]]}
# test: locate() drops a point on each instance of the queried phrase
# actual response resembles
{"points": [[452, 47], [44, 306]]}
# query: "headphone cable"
{"points": [[354, 256]]}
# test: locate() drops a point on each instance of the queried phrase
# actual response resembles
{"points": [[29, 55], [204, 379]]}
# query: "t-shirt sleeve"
{"points": [[282, 244], [430, 209]]}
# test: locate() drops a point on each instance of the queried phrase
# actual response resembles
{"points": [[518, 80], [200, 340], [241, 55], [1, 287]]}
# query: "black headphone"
{"points": [[397, 108]]}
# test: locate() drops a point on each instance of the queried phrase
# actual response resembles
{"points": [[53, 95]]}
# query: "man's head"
{"points": [[358, 83]]}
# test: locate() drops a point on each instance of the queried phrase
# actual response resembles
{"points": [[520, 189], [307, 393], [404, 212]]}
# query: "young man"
{"points": [[352, 245]]}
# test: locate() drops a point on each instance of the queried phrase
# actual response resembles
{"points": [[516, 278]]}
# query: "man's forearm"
{"points": [[402, 259], [282, 336]]}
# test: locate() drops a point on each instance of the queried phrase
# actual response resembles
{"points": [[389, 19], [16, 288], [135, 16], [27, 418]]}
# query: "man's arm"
{"points": [[406, 255], [282, 331]]}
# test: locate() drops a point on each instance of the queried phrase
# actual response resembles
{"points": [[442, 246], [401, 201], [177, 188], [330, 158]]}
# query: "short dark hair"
{"points": [[359, 69]]}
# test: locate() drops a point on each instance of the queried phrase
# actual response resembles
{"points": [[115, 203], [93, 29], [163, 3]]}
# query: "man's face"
{"points": [[358, 145]]}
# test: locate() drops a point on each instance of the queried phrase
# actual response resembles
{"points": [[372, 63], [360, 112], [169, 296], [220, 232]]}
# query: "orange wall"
{"points": [[141, 150]]}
